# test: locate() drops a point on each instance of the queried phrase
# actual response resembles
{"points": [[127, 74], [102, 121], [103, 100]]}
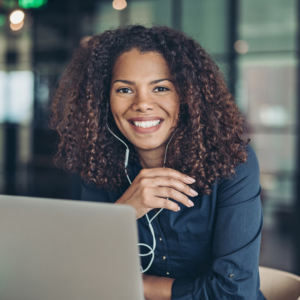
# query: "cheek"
{"points": [[174, 111], [116, 107]]}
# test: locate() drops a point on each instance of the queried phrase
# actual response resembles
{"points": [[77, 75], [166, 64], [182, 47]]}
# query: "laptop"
{"points": [[68, 250]]}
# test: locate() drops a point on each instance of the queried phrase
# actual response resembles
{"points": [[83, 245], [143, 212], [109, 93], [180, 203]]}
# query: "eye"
{"points": [[161, 89], [124, 90]]}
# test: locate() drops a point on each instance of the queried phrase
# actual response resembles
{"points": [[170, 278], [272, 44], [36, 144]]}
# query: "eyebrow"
{"points": [[133, 83]]}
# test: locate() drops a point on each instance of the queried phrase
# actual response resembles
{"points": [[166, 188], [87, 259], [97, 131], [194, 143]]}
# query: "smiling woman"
{"points": [[144, 101], [159, 93]]}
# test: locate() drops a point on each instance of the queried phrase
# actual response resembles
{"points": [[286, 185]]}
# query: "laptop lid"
{"points": [[70, 250]]}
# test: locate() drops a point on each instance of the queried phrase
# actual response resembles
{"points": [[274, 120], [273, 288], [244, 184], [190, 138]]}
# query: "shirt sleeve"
{"points": [[90, 192], [236, 243]]}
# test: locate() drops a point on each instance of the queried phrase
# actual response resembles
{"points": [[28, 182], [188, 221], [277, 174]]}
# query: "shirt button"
{"points": [[164, 257], [231, 275], [167, 273], [160, 239]]}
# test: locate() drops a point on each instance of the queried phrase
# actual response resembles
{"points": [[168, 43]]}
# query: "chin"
{"points": [[148, 146]]}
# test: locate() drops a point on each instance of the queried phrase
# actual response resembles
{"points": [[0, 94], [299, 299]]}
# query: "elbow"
{"points": [[230, 282]]}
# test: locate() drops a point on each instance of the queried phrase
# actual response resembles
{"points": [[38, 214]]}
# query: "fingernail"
{"points": [[178, 208], [190, 203], [190, 179], [193, 192]]}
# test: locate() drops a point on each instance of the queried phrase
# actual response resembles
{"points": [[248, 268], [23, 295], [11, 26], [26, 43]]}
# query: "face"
{"points": [[143, 99]]}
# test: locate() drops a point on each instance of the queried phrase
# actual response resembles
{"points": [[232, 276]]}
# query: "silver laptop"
{"points": [[69, 250]]}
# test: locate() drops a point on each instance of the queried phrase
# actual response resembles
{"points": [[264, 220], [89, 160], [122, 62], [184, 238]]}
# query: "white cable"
{"points": [[149, 221]]}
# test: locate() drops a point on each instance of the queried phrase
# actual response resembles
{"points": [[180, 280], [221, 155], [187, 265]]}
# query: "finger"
{"points": [[157, 202], [166, 172], [166, 192], [166, 204], [176, 184]]}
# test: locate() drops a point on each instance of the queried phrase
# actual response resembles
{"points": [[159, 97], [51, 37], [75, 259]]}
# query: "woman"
{"points": [[158, 92]]}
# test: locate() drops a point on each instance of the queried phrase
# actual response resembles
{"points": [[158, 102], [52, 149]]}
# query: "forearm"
{"points": [[157, 288]]}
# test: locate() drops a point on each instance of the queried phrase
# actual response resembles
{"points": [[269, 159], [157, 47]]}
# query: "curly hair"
{"points": [[209, 141]]}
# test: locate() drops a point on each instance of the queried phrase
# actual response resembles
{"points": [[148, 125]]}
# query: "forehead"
{"points": [[137, 64]]}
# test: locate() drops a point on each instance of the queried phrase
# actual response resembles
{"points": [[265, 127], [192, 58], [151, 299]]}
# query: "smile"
{"points": [[145, 127], [146, 124]]}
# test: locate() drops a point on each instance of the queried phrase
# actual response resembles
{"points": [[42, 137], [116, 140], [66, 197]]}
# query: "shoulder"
{"points": [[90, 192], [244, 183], [250, 167]]}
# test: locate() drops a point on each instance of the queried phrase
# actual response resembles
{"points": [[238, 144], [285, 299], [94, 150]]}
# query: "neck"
{"points": [[152, 158]]}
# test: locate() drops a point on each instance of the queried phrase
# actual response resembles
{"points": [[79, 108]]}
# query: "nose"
{"points": [[143, 102]]}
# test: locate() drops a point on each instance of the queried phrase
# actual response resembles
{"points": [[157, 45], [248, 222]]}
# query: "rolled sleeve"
{"points": [[236, 243]]}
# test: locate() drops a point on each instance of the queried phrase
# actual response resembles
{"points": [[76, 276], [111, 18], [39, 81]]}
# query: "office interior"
{"points": [[254, 42]]}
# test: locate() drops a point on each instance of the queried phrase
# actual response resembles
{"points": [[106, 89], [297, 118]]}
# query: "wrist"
{"points": [[146, 285], [157, 288], [119, 201]]}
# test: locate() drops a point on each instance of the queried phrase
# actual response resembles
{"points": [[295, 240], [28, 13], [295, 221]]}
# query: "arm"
{"points": [[157, 288], [234, 273]]}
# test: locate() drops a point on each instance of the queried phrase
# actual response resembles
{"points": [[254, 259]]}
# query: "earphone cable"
{"points": [[149, 221]]}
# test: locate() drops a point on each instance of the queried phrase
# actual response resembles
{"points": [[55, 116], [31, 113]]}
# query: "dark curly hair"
{"points": [[209, 141]]}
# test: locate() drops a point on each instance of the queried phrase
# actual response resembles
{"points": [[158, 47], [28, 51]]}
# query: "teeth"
{"points": [[146, 124]]}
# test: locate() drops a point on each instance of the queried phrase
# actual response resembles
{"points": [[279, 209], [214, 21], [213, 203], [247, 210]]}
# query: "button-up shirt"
{"points": [[212, 248]]}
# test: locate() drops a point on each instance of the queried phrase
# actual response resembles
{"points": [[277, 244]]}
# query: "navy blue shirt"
{"points": [[212, 248]]}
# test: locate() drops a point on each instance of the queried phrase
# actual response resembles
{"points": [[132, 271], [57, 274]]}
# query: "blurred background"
{"points": [[254, 42]]}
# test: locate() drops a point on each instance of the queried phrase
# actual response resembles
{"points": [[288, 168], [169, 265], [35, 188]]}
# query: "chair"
{"points": [[279, 285]]}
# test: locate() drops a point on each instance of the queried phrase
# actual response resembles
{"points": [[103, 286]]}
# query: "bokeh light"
{"points": [[273, 115], [16, 27], [241, 47], [32, 3], [2, 20], [17, 17], [119, 4]]}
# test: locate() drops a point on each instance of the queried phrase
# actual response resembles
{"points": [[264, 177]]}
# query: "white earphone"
{"points": [[149, 221]]}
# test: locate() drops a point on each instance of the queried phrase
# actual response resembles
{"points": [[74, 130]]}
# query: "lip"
{"points": [[146, 130], [138, 119]]}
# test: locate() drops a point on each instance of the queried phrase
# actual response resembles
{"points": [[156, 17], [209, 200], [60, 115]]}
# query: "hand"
{"points": [[151, 187]]}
